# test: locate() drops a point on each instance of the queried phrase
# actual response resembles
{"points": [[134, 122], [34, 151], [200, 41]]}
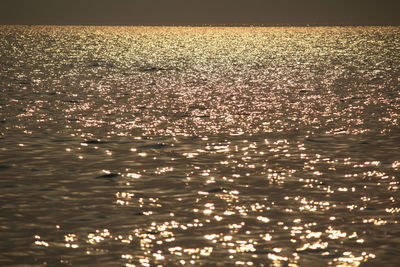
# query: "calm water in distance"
{"points": [[145, 146]]}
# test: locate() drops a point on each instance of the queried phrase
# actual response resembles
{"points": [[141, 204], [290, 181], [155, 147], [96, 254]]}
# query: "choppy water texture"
{"points": [[202, 146]]}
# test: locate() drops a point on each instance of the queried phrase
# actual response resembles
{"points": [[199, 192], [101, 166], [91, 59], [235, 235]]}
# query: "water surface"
{"points": [[140, 146]]}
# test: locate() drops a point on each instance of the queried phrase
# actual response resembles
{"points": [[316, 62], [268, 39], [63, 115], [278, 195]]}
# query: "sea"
{"points": [[199, 146]]}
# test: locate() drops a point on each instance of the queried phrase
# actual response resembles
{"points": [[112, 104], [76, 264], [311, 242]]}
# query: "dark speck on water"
{"points": [[153, 146], [155, 69], [95, 142], [108, 176], [5, 166], [217, 190]]}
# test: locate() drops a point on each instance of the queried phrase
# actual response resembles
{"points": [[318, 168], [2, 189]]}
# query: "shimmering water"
{"points": [[199, 146]]}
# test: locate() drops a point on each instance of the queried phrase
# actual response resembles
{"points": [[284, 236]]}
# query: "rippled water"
{"points": [[202, 146]]}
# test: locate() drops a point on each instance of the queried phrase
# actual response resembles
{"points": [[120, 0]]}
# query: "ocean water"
{"points": [[146, 146]]}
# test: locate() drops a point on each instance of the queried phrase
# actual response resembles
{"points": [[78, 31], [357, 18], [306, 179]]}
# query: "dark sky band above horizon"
{"points": [[194, 12]]}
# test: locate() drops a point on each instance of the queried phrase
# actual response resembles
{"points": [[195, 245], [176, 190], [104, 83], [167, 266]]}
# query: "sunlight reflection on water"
{"points": [[203, 146]]}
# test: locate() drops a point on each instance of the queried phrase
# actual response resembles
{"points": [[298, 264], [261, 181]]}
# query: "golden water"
{"points": [[145, 146]]}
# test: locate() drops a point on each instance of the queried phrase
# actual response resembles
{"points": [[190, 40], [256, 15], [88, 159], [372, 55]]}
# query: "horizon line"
{"points": [[212, 25]]}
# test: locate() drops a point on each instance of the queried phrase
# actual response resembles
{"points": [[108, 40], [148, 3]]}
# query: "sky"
{"points": [[197, 12]]}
